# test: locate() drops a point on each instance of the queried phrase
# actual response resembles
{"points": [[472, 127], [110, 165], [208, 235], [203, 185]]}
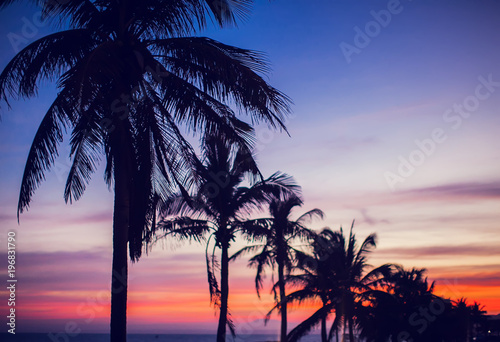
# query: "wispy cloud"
{"points": [[369, 219], [488, 280], [441, 251], [351, 143], [470, 190]]}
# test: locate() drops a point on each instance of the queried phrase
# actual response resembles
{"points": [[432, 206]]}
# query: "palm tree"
{"points": [[467, 317], [316, 281], [353, 277], [275, 235], [336, 273], [217, 207], [388, 314], [128, 73]]}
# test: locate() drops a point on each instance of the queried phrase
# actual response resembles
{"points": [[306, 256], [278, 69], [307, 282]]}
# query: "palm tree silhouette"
{"points": [[389, 313], [405, 307], [353, 278], [275, 235], [336, 273], [218, 206], [128, 73], [468, 316], [316, 280]]}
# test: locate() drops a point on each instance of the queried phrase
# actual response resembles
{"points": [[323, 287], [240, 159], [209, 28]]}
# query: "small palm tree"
{"points": [[275, 236], [128, 73], [467, 318], [316, 280], [336, 273], [390, 307], [217, 207]]}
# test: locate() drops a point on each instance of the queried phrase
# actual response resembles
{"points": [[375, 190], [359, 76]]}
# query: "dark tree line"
{"points": [[355, 301]]}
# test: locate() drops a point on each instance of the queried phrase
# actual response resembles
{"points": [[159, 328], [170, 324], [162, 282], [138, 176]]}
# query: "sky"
{"points": [[395, 125]]}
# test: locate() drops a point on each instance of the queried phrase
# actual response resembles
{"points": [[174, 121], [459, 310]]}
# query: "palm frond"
{"points": [[43, 150], [227, 72], [278, 185], [260, 261], [79, 13], [213, 286], [307, 325], [227, 12], [175, 155], [197, 109], [245, 250], [254, 230], [178, 205], [231, 325], [43, 59], [310, 215], [85, 144], [184, 228]]}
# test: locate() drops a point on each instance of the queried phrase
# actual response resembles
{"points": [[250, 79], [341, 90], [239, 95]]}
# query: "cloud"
{"points": [[351, 143], [70, 218], [447, 193], [91, 270], [466, 190], [371, 220], [465, 269], [483, 280], [63, 271], [441, 251]]}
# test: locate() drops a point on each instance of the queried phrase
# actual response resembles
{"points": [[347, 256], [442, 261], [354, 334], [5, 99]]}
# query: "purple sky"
{"points": [[401, 135]]}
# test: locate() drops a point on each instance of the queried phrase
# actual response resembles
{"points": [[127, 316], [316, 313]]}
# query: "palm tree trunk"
{"points": [[344, 329], [323, 330], [224, 279], [351, 330], [119, 278], [283, 301]]}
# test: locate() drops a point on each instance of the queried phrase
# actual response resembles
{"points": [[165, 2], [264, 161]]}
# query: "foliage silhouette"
{"points": [[336, 275], [388, 314], [274, 236], [217, 207], [128, 73], [405, 307]]}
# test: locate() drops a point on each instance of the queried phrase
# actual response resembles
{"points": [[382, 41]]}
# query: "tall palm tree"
{"points": [[336, 273], [128, 73], [275, 236], [217, 206]]}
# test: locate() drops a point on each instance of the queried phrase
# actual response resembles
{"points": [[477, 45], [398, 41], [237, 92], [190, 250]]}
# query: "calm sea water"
{"points": [[141, 338]]}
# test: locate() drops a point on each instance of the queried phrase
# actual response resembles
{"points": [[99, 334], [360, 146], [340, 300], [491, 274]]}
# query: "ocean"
{"points": [[142, 338]]}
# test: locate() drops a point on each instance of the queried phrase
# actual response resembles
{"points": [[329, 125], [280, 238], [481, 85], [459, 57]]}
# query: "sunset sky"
{"points": [[395, 124]]}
